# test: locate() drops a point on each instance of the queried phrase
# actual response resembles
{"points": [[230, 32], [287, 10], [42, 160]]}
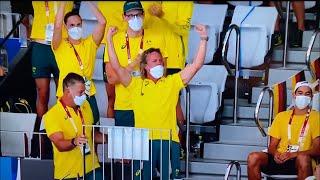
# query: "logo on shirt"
{"points": [[123, 46]]}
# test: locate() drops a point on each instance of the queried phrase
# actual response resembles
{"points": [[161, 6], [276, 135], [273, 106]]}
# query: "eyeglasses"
{"points": [[133, 15]]}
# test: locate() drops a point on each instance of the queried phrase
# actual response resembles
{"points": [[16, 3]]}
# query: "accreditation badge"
{"points": [[49, 32], [293, 148]]}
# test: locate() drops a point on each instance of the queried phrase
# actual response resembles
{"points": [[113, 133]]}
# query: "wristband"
{"points": [[72, 142], [205, 38]]}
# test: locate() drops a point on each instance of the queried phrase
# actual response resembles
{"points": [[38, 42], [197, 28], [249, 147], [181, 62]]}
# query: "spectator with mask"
{"points": [[42, 58], [294, 140], [128, 45], [70, 140], [77, 54], [154, 99]]}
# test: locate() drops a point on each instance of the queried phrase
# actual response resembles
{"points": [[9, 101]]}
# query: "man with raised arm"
{"points": [[154, 99], [77, 54]]}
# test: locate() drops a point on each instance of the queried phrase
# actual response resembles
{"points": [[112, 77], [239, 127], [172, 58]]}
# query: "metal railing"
{"points": [[257, 110], [285, 48], [9, 17], [230, 165], [125, 147], [308, 53], [187, 131], [237, 65]]}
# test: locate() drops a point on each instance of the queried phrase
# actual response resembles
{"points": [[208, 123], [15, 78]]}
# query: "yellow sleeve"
{"points": [[51, 122], [177, 81], [274, 130], [315, 127]]}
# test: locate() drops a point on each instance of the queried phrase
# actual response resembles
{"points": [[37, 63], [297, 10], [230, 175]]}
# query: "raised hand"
{"points": [[201, 30], [112, 31]]}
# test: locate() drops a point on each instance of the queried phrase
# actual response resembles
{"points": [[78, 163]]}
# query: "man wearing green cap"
{"points": [[129, 43]]}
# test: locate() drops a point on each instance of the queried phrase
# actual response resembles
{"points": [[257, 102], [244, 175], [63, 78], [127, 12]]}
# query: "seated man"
{"points": [[71, 142], [294, 140], [154, 99]]}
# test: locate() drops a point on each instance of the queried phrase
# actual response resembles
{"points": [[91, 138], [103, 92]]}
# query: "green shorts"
{"points": [[94, 107], [124, 118], [160, 157], [43, 61]]}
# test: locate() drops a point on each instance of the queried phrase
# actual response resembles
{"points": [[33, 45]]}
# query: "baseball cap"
{"points": [[132, 5], [302, 83]]}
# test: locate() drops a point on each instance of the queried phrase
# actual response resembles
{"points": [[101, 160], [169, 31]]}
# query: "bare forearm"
{"points": [[188, 72], [97, 13], [98, 31], [58, 25], [64, 145], [113, 58]]}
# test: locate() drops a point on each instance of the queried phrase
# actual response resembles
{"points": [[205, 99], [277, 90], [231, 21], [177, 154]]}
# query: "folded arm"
{"points": [[98, 31]]}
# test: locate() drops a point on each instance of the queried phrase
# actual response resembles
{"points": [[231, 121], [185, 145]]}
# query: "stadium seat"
{"points": [[206, 89], [256, 28], [245, 3], [15, 128], [207, 85]]}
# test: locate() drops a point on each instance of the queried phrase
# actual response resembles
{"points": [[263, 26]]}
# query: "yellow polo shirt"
{"points": [[123, 100], [154, 105], [40, 19], [67, 61], [69, 164], [279, 129], [175, 23]]}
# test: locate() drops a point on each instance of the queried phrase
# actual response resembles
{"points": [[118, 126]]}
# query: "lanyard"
{"points": [[78, 58], [128, 46], [71, 119], [303, 129], [48, 10]]}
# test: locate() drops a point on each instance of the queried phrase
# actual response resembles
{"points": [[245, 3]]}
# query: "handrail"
{"points": [[257, 110], [237, 65], [188, 130], [230, 165], [12, 30], [285, 48], [308, 53]]}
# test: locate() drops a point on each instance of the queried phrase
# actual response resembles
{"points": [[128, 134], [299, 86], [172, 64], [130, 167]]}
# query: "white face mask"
{"points": [[79, 100], [302, 102], [75, 33], [135, 23], [157, 71]]}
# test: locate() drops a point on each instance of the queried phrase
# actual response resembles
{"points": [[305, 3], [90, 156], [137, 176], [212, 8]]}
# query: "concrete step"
{"points": [[242, 134], [209, 167], [243, 122], [294, 55], [307, 37], [265, 100], [245, 110], [229, 150], [277, 75]]}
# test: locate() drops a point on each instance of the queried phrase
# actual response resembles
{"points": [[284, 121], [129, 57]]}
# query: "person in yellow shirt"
{"points": [[128, 45], [294, 140], [154, 99], [77, 54], [42, 58], [71, 142]]}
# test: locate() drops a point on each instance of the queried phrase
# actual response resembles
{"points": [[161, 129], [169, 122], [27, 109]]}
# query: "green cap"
{"points": [[132, 5]]}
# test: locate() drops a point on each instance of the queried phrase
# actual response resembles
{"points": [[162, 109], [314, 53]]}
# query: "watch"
{"points": [[206, 38], [72, 142]]}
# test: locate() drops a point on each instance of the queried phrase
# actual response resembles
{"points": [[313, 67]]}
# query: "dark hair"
{"points": [[71, 13], [143, 61], [71, 79]]}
